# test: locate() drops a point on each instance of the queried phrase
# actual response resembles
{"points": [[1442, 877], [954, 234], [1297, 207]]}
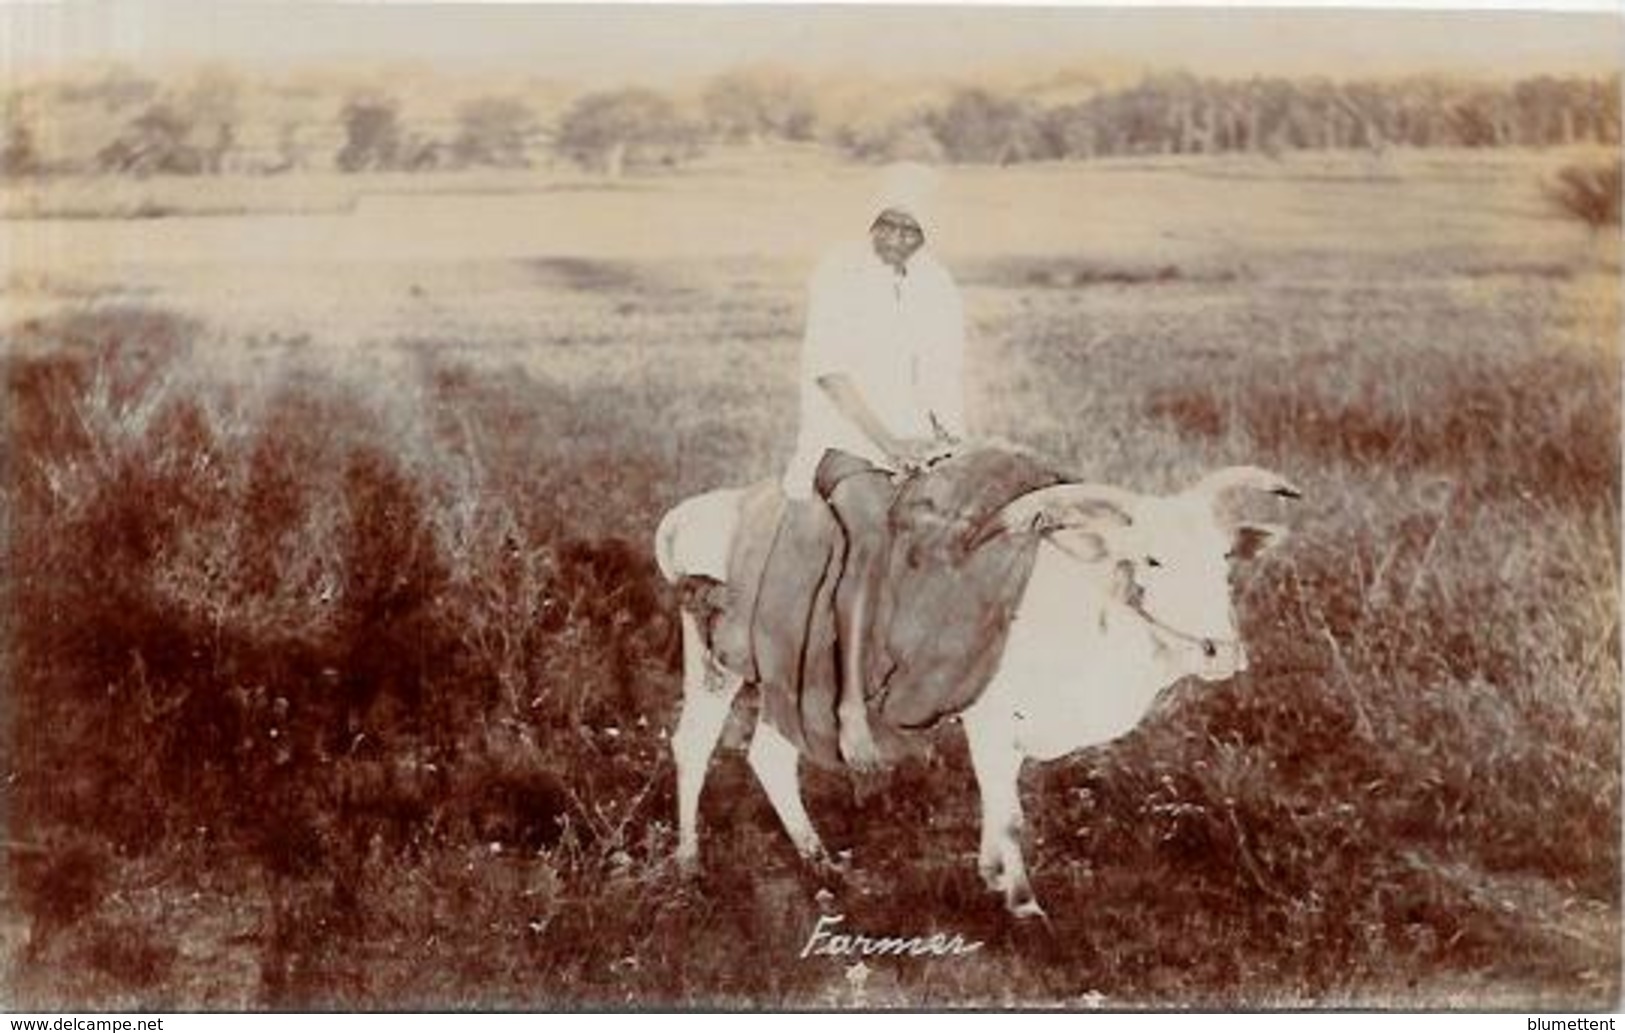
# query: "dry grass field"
{"points": [[339, 675]]}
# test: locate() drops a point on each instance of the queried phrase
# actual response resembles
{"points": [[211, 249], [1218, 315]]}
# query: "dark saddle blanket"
{"points": [[936, 611]]}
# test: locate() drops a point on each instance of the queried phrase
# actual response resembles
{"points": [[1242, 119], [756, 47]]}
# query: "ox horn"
{"points": [[1243, 478], [1061, 505]]}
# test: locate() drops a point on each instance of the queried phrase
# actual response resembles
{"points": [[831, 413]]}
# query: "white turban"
{"points": [[909, 187]]}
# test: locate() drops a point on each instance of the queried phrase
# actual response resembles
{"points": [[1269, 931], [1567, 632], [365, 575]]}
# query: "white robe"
{"points": [[901, 341]]}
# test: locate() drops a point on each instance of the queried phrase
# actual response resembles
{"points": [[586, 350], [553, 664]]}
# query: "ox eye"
{"points": [[1152, 561]]}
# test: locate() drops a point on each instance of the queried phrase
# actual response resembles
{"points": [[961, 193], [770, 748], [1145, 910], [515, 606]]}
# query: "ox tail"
{"points": [[665, 548], [704, 598], [701, 597], [699, 594]]}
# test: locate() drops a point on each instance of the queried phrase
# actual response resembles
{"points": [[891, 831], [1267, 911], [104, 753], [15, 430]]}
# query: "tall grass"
{"points": [[292, 617], [376, 672]]}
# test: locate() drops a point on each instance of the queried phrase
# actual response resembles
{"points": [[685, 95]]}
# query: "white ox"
{"points": [[1129, 594]]}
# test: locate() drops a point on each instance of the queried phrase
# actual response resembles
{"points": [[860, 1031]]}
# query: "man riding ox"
{"points": [[882, 380], [897, 576]]}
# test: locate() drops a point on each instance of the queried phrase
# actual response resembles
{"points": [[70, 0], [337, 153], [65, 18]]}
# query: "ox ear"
{"points": [[1249, 541]]}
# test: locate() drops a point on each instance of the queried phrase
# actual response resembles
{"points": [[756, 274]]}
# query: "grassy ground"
{"points": [[340, 674]]}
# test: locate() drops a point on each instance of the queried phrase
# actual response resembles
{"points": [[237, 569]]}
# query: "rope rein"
{"points": [[1134, 605]]}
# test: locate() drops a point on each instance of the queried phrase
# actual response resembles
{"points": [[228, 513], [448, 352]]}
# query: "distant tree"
{"points": [[156, 141], [292, 152], [1473, 123], [493, 131], [1073, 131], [1601, 110], [420, 154], [876, 138], [620, 129], [372, 135], [977, 126], [755, 103], [1370, 107], [213, 106]]}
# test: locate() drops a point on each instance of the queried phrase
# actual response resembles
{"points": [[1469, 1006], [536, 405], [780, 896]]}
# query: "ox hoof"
{"points": [[688, 864], [825, 868], [1026, 909]]}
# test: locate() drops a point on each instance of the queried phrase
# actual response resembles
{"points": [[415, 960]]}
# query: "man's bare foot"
{"points": [[858, 749]]}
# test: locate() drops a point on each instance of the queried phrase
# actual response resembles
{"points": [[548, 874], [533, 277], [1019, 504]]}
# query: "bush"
{"points": [[19, 154], [1588, 193]]}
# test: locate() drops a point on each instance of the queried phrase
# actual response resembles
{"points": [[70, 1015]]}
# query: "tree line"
{"points": [[1183, 114], [206, 129]]}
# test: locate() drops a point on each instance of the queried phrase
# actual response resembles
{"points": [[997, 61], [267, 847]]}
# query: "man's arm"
{"points": [[834, 341], [901, 451], [850, 403]]}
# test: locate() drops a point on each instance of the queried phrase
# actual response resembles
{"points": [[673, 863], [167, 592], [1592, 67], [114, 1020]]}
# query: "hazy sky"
{"points": [[613, 42]]}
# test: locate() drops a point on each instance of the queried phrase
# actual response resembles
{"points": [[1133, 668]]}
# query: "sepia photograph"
{"points": [[539, 507]]}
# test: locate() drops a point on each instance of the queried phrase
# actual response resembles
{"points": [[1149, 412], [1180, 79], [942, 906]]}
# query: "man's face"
{"points": [[896, 237]]}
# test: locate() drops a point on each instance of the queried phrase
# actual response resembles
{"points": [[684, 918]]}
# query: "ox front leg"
{"points": [[997, 764], [708, 695]]}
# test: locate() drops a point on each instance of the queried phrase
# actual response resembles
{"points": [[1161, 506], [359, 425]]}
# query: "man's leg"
{"points": [[861, 507]]}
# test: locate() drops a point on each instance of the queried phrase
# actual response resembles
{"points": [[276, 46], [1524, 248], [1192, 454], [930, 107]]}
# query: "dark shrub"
{"points": [[1588, 193]]}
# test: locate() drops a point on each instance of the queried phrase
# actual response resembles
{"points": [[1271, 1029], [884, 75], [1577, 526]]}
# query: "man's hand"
{"points": [[907, 453], [922, 453]]}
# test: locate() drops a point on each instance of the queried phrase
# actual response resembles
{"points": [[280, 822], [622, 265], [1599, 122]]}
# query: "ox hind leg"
{"points": [[776, 763], [708, 695]]}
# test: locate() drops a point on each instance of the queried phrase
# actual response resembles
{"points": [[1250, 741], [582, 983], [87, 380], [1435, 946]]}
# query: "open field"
{"points": [[339, 673]]}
